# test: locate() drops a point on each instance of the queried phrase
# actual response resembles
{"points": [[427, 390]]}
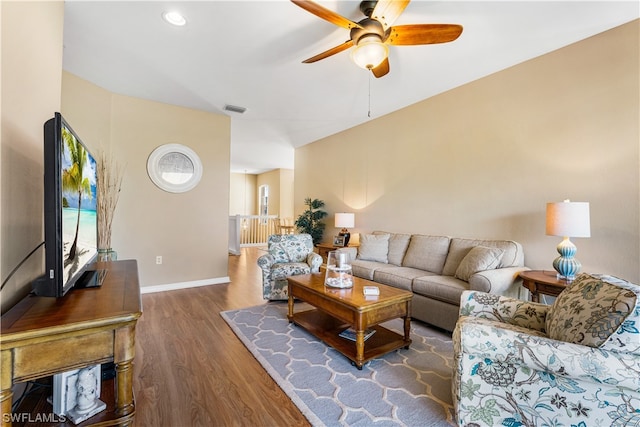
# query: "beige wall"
{"points": [[31, 74], [242, 194], [286, 193], [87, 108], [189, 230], [483, 160]]}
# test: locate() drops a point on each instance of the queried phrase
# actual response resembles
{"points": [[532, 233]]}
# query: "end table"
{"points": [[325, 248], [542, 282]]}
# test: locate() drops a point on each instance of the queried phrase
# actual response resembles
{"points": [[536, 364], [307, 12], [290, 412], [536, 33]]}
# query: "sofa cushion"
{"points": [[503, 309], [442, 288], [398, 277], [479, 258], [374, 247], [427, 253], [398, 244], [365, 269], [281, 271], [592, 311], [513, 254]]}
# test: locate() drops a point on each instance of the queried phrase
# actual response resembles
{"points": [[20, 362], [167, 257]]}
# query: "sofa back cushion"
{"points": [[427, 253], [374, 247], [597, 311], [398, 244], [513, 255]]}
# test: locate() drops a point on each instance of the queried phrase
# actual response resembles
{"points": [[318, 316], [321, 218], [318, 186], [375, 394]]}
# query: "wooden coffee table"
{"points": [[338, 309]]}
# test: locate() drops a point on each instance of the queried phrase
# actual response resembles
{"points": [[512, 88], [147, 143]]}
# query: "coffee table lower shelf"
{"points": [[327, 328]]}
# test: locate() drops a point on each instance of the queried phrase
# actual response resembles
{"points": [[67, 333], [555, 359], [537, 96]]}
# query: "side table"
{"points": [[542, 282], [325, 248]]}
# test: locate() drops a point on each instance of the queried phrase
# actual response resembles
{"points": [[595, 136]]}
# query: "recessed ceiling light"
{"points": [[174, 18]]}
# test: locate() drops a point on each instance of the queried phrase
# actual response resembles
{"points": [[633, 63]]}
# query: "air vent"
{"points": [[234, 109]]}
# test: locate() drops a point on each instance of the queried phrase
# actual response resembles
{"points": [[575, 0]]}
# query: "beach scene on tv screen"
{"points": [[79, 219]]}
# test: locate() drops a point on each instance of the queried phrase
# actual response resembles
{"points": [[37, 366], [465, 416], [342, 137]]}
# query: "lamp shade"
{"points": [[345, 220], [369, 52], [568, 219]]}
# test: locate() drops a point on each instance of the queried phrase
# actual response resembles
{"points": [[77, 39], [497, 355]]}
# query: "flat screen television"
{"points": [[70, 215]]}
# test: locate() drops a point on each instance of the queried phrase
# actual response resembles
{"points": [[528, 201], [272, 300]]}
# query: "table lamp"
{"points": [[345, 221], [568, 219]]}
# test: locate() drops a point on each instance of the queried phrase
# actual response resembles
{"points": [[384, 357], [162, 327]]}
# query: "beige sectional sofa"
{"points": [[437, 269]]}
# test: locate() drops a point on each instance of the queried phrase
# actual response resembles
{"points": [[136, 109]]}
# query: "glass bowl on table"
{"points": [[339, 273]]}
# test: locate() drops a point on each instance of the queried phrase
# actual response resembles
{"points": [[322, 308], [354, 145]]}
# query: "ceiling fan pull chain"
{"points": [[369, 112]]}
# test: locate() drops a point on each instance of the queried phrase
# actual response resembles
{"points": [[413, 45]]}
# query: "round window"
{"points": [[174, 168]]}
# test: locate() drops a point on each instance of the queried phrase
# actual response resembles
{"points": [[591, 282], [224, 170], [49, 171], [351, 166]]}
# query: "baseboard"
{"points": [[184, 285]]}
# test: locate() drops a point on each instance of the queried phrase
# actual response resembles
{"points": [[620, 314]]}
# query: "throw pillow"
{"points": [[398, 244], [374, 247], [590, 310], [479, 258]]}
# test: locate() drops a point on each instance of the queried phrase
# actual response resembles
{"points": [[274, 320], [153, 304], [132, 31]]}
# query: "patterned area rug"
{"points": [[403, 388]]}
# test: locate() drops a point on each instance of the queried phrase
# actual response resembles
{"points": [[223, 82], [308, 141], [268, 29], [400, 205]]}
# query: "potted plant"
{"points": [[310, 221]]}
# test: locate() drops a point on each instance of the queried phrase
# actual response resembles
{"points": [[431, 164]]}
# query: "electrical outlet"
{"points": [[159, 259]]}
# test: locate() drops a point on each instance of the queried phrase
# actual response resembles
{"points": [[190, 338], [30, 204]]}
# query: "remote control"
{"points": [[371, 290]]}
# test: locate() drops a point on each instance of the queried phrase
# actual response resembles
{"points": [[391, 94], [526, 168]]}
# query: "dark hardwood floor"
{"points": [[190, 368]]}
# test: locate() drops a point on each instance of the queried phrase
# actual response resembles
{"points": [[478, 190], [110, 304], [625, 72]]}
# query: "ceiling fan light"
{"points": [[369, 52]]}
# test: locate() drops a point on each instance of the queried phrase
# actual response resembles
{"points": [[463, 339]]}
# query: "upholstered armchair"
{"points": [[288, 255], [574, 363]]}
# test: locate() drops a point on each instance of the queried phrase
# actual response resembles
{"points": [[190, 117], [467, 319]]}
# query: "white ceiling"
{"points": [[249, 53]]}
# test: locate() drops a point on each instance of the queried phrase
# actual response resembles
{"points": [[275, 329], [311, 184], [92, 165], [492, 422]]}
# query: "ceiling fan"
{"points": [[371, 35]]}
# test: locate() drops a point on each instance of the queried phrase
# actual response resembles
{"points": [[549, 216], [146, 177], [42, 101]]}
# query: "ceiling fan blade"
{"points": [[344, 46], [326, 14], [387, 11], [382, 69], [422, 34]]}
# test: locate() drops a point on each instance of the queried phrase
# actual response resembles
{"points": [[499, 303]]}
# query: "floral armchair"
{"points": [[575, 363], [288, 255]]}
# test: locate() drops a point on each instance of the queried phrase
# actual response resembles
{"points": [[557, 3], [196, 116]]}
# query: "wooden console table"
{"points": [[42, 336]]}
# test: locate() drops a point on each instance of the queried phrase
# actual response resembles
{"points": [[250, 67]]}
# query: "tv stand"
{"points": [[43, 336], [91, 278]]}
